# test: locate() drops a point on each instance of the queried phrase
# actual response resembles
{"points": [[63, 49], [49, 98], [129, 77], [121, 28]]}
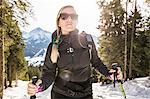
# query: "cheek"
{"points": [[75, 23], [61, 23]]}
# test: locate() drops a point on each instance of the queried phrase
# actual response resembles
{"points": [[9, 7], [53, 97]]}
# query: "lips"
{"points": [[69, 24]]}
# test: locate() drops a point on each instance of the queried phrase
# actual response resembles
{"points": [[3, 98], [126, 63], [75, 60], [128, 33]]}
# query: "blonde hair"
{"points": [[54, 52]]}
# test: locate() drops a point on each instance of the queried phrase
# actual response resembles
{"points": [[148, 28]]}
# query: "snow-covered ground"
{"points": [[138, 88]]}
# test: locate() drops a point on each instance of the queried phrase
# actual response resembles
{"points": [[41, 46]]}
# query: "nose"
{"points": [[69, 18]]}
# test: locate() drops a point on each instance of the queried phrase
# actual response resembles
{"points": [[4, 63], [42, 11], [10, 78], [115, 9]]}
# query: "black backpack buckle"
{"points": [[71, 93]]}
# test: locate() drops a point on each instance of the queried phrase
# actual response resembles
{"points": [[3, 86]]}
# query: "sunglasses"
{"points": [[65, 16]]}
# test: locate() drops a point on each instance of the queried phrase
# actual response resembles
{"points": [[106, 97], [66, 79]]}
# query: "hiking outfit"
{"points": [[72, 73]]}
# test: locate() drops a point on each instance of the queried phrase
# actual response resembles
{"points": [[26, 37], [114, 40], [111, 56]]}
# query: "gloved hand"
{"points": [[119, 75], [115, 73], [32, 89]]}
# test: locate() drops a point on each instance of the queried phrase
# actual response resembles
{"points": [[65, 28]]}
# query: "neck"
{"points": [[65, 32], [68, 32]]}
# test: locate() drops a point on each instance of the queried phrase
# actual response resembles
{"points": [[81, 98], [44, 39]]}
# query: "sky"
{"points": [[45, 12]]}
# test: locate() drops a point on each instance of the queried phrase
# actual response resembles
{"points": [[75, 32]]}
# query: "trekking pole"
{"points": [[114, 66], [34, 80], [122, 89]]}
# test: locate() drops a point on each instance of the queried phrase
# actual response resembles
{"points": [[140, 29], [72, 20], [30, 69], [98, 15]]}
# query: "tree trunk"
{"points": [[10, 75], [1, 64], [1, 55], [16, 83], [125, 51], [131, 48]]}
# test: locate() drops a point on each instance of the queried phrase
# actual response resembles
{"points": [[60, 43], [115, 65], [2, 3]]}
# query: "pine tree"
{"points": [[113, 29], [112, 40], [141, 47], [14, 45], [148, 1], [1, 50]]}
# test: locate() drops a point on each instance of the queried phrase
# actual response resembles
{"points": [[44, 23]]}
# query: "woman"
{"points": [[67, 62]]}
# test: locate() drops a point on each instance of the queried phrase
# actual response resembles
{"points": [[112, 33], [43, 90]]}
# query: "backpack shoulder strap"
{"points": [[89, 41], [89, 37]]}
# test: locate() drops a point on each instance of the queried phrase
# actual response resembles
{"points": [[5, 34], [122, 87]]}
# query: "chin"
{"points": [[69, 30]]}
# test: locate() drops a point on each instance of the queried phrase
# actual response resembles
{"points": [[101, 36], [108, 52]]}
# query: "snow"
{"points": [[138, 88], [38, 58]]}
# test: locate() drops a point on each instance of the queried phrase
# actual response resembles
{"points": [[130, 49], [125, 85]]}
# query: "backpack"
{"points": [[90, 44]]}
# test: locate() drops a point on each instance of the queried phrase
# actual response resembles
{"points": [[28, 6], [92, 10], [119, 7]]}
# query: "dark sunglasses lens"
{"points": [[64, 16], [74, 16]]}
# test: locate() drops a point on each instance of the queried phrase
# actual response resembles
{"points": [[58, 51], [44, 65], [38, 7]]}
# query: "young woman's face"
{"points": [[68, 20]]}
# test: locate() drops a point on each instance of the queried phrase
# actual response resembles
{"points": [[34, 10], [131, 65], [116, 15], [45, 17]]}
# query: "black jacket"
{"points": [[77, 61]]}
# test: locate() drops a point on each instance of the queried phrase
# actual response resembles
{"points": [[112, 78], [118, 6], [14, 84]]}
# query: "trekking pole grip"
{"points": [[114, 66], [34, 80]]}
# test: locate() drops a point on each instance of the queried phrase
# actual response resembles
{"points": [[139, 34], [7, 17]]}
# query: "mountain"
{"points": [[36, 40]]}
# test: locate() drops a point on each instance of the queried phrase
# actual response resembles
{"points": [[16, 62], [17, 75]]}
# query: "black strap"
{"points": [[70, 93], [89, 41], [72, 89]]}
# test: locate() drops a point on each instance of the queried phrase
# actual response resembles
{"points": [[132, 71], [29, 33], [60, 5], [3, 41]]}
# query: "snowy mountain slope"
{"points": [[135, 89], [37, 34], [36, 40], [38, 58]]}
